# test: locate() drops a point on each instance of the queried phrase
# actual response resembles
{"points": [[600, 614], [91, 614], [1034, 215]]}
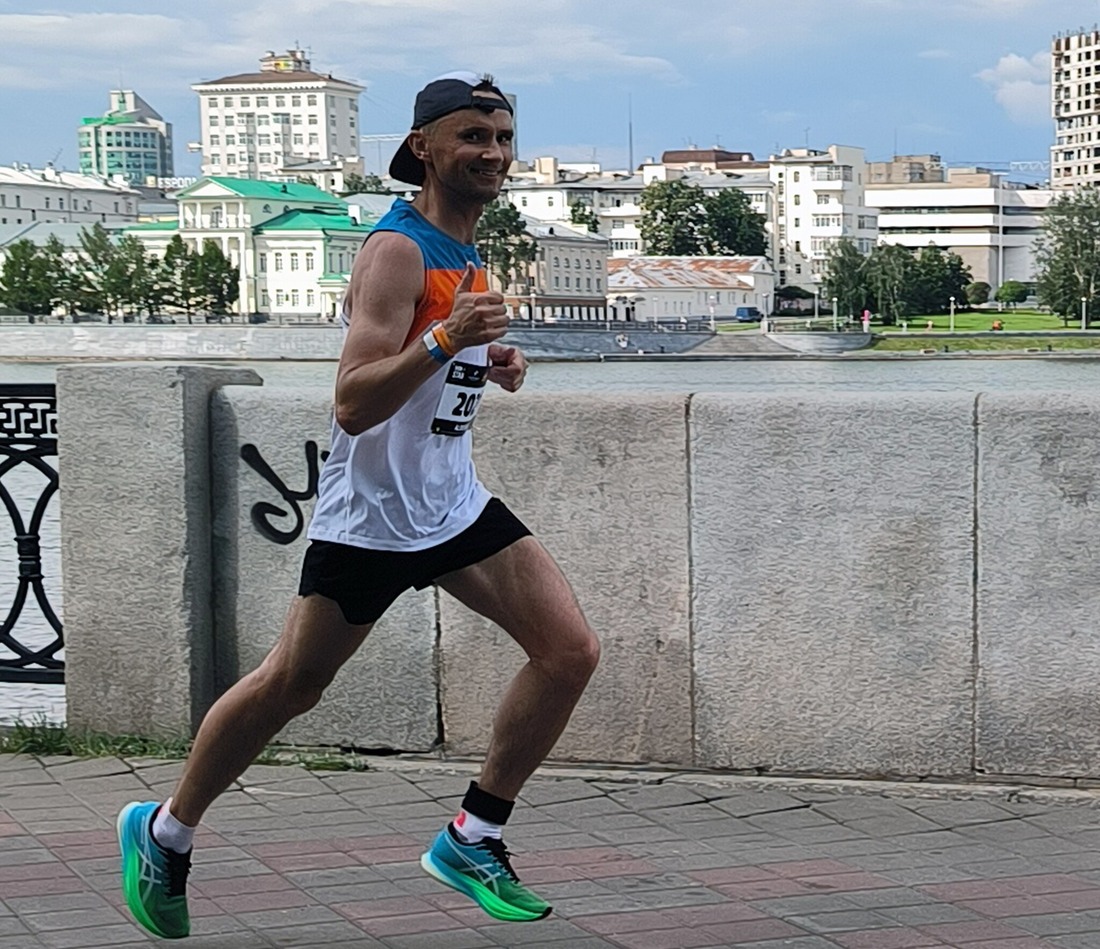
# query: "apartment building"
{"points": [[28, 195], [262, 125], [1075, 106], [820, 198], [293, 243], [990, 222], [130, 140]]}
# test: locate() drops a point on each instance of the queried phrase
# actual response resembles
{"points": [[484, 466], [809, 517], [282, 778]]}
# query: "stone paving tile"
{"points": [[902, 938]]}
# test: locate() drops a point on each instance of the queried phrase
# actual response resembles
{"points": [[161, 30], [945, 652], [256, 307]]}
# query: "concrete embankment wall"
{"points": [[842, 584]]}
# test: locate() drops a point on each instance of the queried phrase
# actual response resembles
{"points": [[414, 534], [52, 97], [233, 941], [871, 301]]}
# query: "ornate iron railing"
{"points": [[28, 437]]}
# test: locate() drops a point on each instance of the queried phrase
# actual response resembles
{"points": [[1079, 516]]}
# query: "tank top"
{"points": [[408, 483]]}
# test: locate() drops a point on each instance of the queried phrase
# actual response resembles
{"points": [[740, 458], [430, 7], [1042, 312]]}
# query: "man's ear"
{"points": [[418, 144]]}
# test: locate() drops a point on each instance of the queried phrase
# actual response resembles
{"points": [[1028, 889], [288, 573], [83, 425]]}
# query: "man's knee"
{"points": [[577, 658], [295, 690]]}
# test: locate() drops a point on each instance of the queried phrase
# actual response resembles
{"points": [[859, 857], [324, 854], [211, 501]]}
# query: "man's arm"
{"points": [[375, 377]]}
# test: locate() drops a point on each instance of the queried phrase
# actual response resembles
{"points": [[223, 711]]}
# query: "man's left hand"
{"points": [[507, 367]]}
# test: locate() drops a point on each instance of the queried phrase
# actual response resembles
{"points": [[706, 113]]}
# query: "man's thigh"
{"points": [[523, 590]]}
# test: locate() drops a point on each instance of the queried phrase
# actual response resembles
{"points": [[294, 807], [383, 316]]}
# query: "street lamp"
{"points": [[531, 305], [836, 301], [1084, 313], [952, 314], [711, 300]]}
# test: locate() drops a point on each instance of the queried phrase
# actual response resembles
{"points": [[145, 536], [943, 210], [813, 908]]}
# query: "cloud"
{"points": [[1021, 86], [934, 54]]}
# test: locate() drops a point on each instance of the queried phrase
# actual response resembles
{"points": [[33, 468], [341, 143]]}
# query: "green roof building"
{"points": [[130, 140]]}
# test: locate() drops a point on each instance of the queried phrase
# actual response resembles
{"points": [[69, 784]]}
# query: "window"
{"points": [[261, 102], [567, 264], [312, 120], [280, 102], [798, 199], [797, 175], [309, 260], [296, 101], [550, 201], [523, 202], [262, 259], [245, 102], [798, 222], [340, 262], [557, 281], [599, 265], [822, 199], [230, 120], [278, 262], [588, 263], [294, 261], [263, 120], [265, 158], [332, 118], [229, 102], [265, 300], [297, 138], [311, 100], [588, 283], [231, 140], [214, 102], [214, 121], [577, 264], [280, 298], [263, 139], [296, 120], [313, 140], [48, 205], [556, 262], [310, 298], [599, 284], [215, 140], [293, 297]]}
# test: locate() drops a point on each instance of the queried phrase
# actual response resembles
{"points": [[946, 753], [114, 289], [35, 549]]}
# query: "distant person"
{"points": [[929, 326], [400, 506], [866, 321], [997, 326]]}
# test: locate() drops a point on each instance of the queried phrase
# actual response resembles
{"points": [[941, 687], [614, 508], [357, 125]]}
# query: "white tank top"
{"points": [[409, 483]]}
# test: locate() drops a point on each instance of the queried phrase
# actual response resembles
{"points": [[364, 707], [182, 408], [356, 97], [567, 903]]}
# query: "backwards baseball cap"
{"points": [[442, 96]]}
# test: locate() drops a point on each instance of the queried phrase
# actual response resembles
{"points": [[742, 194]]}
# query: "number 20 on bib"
{"points": [[460, 399]]}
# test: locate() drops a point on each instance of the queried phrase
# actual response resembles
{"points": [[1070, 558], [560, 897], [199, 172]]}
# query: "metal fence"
{"points": [[28, 437]]}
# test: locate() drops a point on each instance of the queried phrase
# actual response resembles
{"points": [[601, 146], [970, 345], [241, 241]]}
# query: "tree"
{"points": [[218, 278], [65, 273], [1011, 292], [937, 277], [106, 284], [732, 228], [673, 219], [364, 184], [24, 281], [1067, 254], [180, 274], [140, 281], [977, 293], [503, 242], [580, 212], [846, 277]]}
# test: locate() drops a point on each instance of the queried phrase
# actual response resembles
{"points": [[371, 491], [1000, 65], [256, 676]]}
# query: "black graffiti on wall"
{"points": [[262, 512]]}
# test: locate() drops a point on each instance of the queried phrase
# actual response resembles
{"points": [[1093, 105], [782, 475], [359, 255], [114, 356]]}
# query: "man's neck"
{"points": [[457, 220]]}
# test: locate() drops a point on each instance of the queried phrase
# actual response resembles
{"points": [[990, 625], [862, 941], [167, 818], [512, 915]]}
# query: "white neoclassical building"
{"points": [[294, 244]]}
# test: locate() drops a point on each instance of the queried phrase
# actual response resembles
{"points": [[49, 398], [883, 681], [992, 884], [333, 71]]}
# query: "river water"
{"points": [[1049, 372]]}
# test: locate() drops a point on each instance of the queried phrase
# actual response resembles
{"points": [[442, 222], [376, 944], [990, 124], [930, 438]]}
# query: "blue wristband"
{"points": [[434, 349]]}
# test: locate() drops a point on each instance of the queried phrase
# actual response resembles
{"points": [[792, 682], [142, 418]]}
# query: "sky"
{"points": [[965, 79]]}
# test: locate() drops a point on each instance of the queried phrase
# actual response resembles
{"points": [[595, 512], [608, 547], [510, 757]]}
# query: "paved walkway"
{"points": [[632, 860]]}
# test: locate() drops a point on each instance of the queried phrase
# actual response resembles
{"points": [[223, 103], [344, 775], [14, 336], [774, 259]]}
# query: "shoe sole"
{"points": [[484, 897], [128, 848]]}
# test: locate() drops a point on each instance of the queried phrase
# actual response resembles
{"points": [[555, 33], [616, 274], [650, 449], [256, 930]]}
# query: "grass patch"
{"points": [[971, 321], [41, 738], [914, 343]]}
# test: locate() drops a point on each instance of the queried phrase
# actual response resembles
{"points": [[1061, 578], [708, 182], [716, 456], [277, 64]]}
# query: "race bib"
{"points": [[460, 399]]}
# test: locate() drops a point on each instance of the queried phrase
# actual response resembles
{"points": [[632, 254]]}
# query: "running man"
{"points": [[400, 506]]}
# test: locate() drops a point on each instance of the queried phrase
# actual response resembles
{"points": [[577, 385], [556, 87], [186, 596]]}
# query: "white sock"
{"points": [[169, 832], [472, 828]]}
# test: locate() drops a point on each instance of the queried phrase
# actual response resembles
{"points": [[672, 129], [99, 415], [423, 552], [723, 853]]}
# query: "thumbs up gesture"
{"points": [[477, 316]]}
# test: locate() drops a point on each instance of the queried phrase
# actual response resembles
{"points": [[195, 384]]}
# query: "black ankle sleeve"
{"points": [[487, 806]]}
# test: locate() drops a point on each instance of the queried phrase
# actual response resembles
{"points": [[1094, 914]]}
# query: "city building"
{"points": [[1075, 105], [819, 199], [568, 278], [990, 222], [260, 125], [293, 243], [906, 169], [664, 289], [31, 194], [130, 140]]}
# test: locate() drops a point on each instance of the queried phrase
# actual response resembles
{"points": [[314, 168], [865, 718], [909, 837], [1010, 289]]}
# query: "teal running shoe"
{"points": [[483, 871], [154, 879]]}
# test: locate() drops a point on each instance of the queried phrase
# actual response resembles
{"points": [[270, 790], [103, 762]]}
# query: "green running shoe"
{"points": [[484, 873], [154, 880]]}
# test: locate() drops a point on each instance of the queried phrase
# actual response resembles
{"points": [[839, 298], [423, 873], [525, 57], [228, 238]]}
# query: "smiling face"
{"points": [[467, 153]]}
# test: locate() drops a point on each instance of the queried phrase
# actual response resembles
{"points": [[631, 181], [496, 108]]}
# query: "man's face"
{"points": [[470, 152]]}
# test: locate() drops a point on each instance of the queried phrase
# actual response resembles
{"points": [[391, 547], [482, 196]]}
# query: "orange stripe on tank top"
{"points": [[438, 299]]}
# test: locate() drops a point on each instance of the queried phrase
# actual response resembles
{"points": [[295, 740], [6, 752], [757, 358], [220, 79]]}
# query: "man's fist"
{"points": [[477, 316]]}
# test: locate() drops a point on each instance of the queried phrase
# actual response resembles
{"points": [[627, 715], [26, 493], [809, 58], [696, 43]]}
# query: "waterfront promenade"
{"points": [[636, 860]]}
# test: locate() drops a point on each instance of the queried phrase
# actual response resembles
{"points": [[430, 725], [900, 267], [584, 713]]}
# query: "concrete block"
{"points": [[386, 695], [135, 543], [832, 570], [1039, 579], [602, 483]]}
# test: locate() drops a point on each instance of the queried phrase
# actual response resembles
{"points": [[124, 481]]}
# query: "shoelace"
{"points": [[495, 846], [179, 865]]}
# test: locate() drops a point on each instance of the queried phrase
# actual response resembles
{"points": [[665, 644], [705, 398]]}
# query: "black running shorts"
{"points": [[364, 583]]}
